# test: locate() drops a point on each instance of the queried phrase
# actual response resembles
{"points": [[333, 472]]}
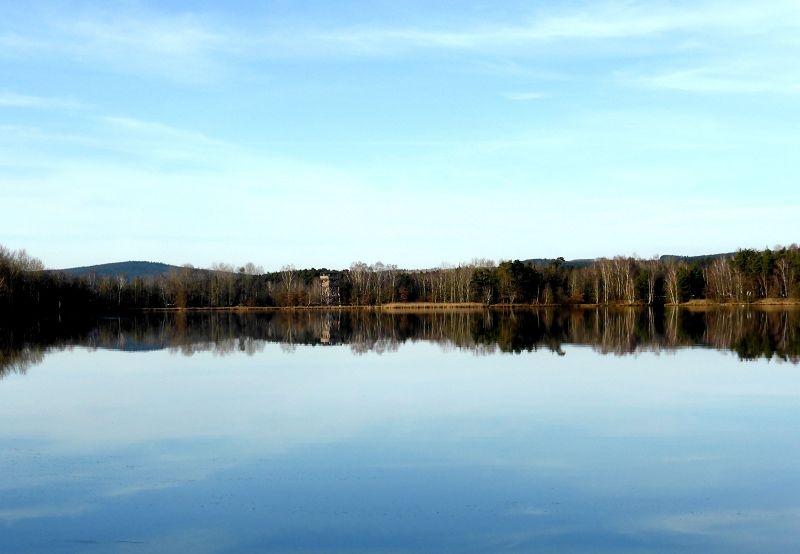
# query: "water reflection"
{"points": [[751, 334], [120, 446]]}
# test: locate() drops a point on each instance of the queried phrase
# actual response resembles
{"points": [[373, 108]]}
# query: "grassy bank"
{"points": [[415, 307]]}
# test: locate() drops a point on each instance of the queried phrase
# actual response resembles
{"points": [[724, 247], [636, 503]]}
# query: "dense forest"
{"points": [[745, 276]]}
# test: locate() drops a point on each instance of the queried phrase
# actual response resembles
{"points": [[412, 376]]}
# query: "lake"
{"points": [[518, 431]]}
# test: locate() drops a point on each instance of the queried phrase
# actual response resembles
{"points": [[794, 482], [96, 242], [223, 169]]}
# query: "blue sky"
{"points": [[322, 133]]}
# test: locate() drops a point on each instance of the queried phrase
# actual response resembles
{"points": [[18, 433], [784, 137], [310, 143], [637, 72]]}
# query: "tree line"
{"points": [[746, 276]]}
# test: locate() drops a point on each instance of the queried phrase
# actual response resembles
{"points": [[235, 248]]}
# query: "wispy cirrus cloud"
{"points": [[182, 44], [721, 80], [13, 100], [737, 525], [177, 46], [14, 515], [12, 43], [156, 129], [524, 96], [196, 46], [593, 21], [155, 143]]}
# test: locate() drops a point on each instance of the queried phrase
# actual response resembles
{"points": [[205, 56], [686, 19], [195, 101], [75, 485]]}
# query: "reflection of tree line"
{"points": [[756, 334], [25, 342], [750, 333]]}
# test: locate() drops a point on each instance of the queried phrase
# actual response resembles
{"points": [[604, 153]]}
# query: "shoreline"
{"points": [[414, 307]]}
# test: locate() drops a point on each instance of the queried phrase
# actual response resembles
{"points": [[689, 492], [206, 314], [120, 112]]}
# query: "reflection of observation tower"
{"points": [[330, 290], [329, 328]]}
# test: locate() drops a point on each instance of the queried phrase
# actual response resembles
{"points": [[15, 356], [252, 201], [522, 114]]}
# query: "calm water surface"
{"points": [[356, 433]]}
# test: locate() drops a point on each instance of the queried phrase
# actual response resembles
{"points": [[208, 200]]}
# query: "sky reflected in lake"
{"points": [[426, 449]]}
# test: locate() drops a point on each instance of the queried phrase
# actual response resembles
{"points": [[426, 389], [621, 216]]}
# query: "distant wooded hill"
{"points": [[546, 262], [148, 270], [131, 270], [586, 262], [700, 260]]}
